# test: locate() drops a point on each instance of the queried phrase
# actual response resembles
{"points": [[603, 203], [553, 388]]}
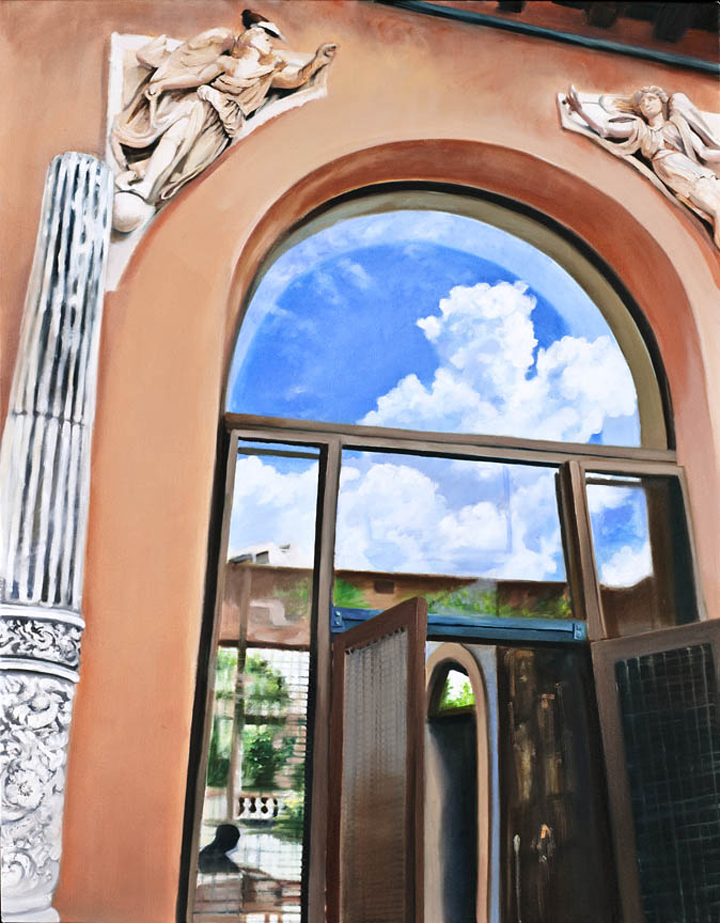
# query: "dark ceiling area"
{"points": [[681, 34]]}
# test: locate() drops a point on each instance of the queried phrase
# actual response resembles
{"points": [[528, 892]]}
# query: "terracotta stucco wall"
{"points": [[487, 102]]}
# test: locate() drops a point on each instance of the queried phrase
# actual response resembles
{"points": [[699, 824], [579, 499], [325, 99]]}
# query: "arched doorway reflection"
{"points": [[457, 788]]}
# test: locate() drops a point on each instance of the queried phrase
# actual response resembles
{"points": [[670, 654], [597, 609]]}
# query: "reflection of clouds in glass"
{"points": [[619, 519], [275, 508], [437, 516], [394, 516], [488, 380], [603, 497], [627, 566]]}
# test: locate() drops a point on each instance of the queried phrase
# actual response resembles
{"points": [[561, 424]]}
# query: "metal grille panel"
{"points": [[669, 707], [373, 838]]}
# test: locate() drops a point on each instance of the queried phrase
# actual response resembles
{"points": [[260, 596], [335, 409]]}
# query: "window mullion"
{"points": [[320, 680], [228, 448], [581, 559]]}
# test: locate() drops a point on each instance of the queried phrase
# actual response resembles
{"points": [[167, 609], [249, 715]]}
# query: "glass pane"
{"points": [[642, 552], [251, 858], [428, 320], [472, 538], [268, 581]]}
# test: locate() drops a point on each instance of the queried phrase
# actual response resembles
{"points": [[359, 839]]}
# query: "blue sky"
{"points": [[340, 330], [431, 321]]}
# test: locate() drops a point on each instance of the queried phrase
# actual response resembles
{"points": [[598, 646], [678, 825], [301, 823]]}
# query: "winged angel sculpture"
{"points": [[665, 137], [193, 101]]}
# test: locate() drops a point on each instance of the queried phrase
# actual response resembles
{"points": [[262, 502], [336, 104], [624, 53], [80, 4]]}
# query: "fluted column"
{"points": [[44, 489]]}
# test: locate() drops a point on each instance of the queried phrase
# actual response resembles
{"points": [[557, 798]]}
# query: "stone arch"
{"points": [[167, 343], [527, 182]]}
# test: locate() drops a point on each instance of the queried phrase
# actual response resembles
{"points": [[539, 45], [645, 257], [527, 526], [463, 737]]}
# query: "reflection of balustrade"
{"points": [[252, 892], [254, 808]]}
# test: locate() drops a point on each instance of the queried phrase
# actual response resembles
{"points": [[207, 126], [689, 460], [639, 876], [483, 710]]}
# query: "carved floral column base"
{"points": [[39, 654]]}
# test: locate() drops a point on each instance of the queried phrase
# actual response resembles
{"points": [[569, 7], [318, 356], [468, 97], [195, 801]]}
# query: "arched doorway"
{"points": [[458, 788], [544, 417]]}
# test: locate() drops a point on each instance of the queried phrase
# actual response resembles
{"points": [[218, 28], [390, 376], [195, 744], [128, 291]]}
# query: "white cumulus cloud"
{"points": [[488, 381], [274, 507], [627, 566], [395, 517]]}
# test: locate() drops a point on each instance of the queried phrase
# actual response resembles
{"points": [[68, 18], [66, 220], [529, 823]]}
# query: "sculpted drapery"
{"points": [[667, 134], [195, 101]]}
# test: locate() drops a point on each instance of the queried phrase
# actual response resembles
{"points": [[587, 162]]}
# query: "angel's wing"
{"points": [[153, 53], [196, 53], [680, 104]]}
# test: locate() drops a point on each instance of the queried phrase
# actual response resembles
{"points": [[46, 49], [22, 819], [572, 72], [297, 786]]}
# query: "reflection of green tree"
{"points": [[296, 597], [221, 734], [347, 596], [467, 600], [289, 825], [266, 688], [219, 752], [456, 698], [298, 776], [555, 607], [266, 750], [225, 668], [478, 599], [266, 691], [263, 757]]}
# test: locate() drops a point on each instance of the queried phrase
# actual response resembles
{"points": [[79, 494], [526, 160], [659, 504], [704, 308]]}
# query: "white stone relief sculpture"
{"points": [[665, 137], [44, 495], [34, 727], [184, 104]]}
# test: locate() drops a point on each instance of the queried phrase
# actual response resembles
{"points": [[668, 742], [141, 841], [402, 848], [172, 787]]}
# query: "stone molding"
{"points": [[52, 637]]}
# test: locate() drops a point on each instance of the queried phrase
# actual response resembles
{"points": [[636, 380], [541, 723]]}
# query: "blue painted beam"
{"points": [[489, 627]]}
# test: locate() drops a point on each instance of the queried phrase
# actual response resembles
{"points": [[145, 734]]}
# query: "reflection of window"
{"points": [[255, 777], [642, 552], [452, 417]]}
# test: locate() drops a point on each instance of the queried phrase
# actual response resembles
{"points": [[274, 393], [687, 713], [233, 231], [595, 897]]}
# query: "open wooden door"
{"points": [[659, 710], [375, 832]]}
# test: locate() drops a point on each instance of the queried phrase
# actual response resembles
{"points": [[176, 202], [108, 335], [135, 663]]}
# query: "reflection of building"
{"points": [[415, 103], [272, 600]]}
